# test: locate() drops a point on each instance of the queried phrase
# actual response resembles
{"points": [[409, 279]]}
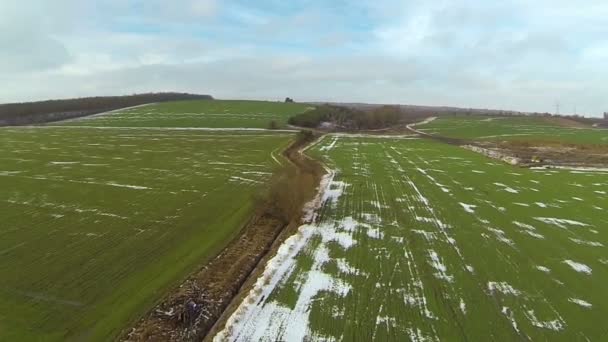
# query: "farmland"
{"points": [[513, 128], [425, 241], [98, 223], [202, 113]]}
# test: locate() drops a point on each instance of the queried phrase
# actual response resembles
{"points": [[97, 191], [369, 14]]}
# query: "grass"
{"points": [[205, 113], [420, 240], [513, 128], [98, 223]]}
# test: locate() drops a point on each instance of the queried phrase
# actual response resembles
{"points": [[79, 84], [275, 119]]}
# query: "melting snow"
{"points": [[577, 266], [437, 263], [560, 222], [587, 243], [507, 188], [580, 302], [543, 269], [555, 325], [469, 208], [502, 287]]}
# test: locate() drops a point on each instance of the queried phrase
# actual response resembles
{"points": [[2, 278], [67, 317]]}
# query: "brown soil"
{"points": [[565, 122], [554, 153], [189, 311]]}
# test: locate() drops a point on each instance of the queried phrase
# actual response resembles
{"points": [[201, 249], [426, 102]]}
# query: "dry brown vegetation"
{"points": [[191, 310], [558, 153]]}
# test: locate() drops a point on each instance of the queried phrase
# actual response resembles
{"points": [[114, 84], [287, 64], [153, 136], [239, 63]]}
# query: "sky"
{"points": [[511, 54]]}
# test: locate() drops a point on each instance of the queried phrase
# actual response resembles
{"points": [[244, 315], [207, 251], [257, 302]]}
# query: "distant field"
{"points": [[205, 113], [424, 241], [515, 128], [97, 223]]}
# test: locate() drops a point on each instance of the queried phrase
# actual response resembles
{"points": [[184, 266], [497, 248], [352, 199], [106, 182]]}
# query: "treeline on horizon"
{"points": [[354, 117], [28, 113], [349, 118]]}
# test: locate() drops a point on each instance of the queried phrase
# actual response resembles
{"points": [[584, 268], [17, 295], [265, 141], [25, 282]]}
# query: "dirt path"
{"points": [[189, 311]]}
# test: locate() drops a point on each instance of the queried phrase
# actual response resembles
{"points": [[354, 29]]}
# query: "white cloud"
{"points": [[512, 54]]}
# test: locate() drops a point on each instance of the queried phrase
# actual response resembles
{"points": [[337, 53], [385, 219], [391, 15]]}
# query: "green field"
{"points": [[512, 128], [98, 223], [205, 113], [424, 241]]}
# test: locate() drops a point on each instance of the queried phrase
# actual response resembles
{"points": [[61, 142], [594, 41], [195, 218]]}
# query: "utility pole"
{"points": [[557, 107]]}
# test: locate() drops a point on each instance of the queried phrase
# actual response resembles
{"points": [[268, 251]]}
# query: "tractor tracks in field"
{"points": [[190, 311]]}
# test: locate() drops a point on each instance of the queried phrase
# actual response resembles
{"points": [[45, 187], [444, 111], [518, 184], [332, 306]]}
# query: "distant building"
{"points": [[605, 115]]}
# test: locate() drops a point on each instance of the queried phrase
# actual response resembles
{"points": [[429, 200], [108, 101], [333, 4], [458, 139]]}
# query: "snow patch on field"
{"points": [[543, 269], [440, 267], [469, 208], [579, 267], [562, 223], [331, 145], [502, 287], [64, 162], [507, 188], [463, 306], [580, 302], [335, 190], [500, 235], [511, 317], [555, 325], [587, 243], [528, 229], [428, 236]]}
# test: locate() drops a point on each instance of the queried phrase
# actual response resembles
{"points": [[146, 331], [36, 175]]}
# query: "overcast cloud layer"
{"points": [[512, 54]]}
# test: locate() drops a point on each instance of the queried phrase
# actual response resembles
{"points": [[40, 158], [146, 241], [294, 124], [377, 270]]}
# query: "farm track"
{"points": [[192, 309]]}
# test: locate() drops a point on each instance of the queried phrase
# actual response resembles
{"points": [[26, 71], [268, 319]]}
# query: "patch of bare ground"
{"points": [[535, 153], [190, 311], [565, 122]]}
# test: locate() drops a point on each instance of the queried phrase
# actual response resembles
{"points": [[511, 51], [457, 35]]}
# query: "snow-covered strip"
{"points": [[277, 268], [412, 126], [253, 310], [562, 223], [63, 162], [82, 118], [587, 243], [511, 317], [310, 208], [493, 154], [580, 302], [423, 122], [243, 180], [378, 136], [330, 146], [9, 173], [578, 267], [129, 186]]}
